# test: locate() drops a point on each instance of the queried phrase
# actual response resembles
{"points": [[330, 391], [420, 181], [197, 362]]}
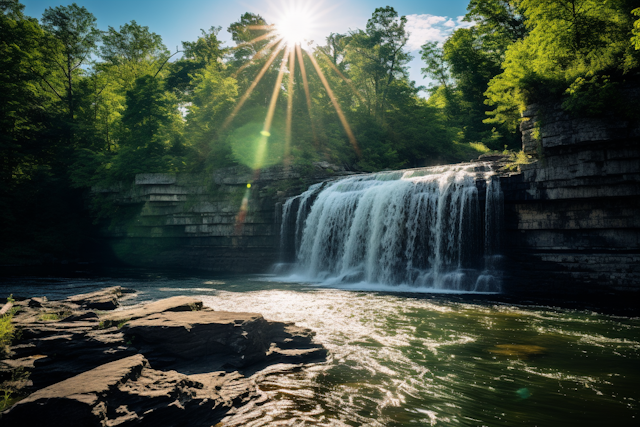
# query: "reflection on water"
{"points": [[402, 360]]}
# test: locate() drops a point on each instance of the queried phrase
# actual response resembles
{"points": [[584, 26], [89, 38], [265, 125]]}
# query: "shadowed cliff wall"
{"points": [[572, 218], [211, 222]]}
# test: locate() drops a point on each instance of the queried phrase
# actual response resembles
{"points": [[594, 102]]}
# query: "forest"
{"points": [[82, 108]]}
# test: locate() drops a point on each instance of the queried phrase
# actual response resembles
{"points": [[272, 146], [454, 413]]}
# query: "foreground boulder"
{"points": [[148, 364], [129, 392], [228, 339]]}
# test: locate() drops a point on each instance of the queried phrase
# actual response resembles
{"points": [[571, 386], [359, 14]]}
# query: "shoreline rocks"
{"points": [[165, 363]]}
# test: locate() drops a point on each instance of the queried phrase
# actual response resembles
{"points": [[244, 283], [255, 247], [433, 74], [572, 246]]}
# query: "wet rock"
{"points": [[521, 351], [89, 316], [97, 370], [493, 158], [37, 302], [77, 398]]}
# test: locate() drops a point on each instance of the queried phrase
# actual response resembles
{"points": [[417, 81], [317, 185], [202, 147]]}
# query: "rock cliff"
{"points": [[213, 222], [572, 217]]}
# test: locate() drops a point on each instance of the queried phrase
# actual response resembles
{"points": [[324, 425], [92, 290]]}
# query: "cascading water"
{"points": [[424, 228]]}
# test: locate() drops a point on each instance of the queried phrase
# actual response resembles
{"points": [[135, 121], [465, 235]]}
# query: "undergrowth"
{"points": [[7, 330], [516, 159], [9, 389]]}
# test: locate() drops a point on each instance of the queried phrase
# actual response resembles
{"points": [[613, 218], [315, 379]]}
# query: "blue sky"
{"points": [[178, 21]]}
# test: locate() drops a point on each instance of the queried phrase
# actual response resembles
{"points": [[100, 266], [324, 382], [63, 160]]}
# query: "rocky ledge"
{"points": [[171, 362]]}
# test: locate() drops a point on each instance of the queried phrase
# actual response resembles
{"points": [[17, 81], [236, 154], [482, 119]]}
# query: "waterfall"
{"points": [[427, 228], [294, 215]]}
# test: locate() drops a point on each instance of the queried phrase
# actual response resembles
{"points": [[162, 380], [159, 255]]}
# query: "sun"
{"points": [[295, 25], [287, 40]]}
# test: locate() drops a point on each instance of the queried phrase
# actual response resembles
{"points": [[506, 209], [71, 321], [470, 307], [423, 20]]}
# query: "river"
{"points": [[402, 359]]}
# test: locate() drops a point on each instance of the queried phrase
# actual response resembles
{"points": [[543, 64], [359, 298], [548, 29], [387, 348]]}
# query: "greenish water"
{"points": [[405, 360]]}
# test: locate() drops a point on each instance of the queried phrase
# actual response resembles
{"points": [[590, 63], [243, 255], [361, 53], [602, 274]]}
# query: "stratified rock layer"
{"points": [[196, 221], [129, 392], [167, 363], [572, 218]]}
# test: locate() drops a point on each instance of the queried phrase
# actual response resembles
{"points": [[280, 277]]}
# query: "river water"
{"points": [[401, 359]]}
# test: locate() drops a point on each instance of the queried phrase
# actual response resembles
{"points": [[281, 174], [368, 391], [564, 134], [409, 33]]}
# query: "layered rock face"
{"points": [[211, 222], [572, 218], [167, 363]]}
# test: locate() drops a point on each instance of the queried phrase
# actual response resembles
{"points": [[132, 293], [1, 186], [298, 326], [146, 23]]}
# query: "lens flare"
{"points": [[290, 34], [295, 24]]}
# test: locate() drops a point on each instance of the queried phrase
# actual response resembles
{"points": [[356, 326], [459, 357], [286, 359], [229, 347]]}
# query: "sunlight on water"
{"points": [[410, 359], [405, 361]]}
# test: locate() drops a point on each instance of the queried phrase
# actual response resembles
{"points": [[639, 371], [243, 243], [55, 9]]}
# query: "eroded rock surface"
{"points": [[129, 392], [165, 363]]}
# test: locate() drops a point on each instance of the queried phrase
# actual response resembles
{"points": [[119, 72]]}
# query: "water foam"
{"points": [[417, 230]]}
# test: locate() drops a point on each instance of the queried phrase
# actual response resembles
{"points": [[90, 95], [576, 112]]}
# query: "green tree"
{"points": [[248, 35], [576, 51], [205, 51], [378, 57], [636, 30], [127, 53], [40, 214], [132, 52], [212, 98], [23, 113], [472, 57], [151, 138], [74, 37], [445, 96]]}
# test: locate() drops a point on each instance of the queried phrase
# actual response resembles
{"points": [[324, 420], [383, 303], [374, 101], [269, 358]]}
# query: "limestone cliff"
{"points": [[572, 217], [213, 222]]}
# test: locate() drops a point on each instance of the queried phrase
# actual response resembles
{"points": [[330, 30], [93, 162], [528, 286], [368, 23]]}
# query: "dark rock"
{"points": [[128, 392], [493, 157], [105, 299], [37, 302], [77, 398], [572, 218], [89, 316], [237, 339], [98, 374]]}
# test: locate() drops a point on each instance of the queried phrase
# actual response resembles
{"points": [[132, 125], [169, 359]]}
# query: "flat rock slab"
{"points": [[90, 369], [174, 304], [72, 402], [105, 299], [246, 337]]}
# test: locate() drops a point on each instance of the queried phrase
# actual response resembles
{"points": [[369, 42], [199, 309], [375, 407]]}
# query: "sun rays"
{"points": [[294, 26], [288, 41]]}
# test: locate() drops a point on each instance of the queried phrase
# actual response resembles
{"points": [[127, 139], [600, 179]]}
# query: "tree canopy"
{"points": [[81, 108]]}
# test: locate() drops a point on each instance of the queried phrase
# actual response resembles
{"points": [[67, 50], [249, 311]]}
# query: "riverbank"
{"points": [[393, 356], [82, 361], [54, 281]]}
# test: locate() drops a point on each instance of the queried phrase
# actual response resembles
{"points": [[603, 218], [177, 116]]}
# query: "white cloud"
{"points": [[424, 28], [449, 23]]}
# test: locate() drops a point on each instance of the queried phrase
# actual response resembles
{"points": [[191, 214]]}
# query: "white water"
{"points": [[406, 230]]}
